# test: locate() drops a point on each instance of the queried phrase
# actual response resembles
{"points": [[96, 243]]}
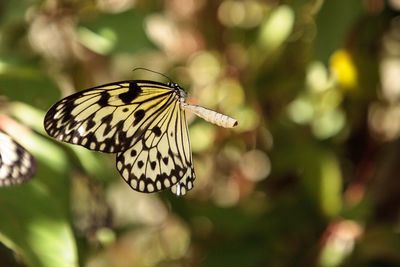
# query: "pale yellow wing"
{"points": [[107, 118], [186, 182], [161, 157]]}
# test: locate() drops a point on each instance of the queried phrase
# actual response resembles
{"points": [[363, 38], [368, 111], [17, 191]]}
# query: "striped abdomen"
{"points": [[211, 116]]}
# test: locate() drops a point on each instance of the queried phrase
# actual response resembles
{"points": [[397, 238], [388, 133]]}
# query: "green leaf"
{"points": [[33, 224], [34, 218]]}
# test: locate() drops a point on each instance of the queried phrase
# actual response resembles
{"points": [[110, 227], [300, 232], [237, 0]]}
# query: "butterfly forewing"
{"points": [[106, 118], [16, 164]]}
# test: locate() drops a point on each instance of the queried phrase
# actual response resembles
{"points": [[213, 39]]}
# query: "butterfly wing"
{"points": [[106, 118], [141, 121], [161, 157], [16, 164], [186, 182]]}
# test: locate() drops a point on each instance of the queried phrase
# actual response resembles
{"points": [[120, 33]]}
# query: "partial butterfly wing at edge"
{"points": [[17, 165]]}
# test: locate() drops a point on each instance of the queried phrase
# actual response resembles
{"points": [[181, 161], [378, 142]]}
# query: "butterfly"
{"points": [[17, 165], [143, 122]]}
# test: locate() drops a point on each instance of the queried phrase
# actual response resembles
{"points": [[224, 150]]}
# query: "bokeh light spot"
{"points": [[255, 165], [344, 69]]}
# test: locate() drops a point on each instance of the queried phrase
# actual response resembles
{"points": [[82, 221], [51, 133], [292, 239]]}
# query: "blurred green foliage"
{"points": [[309, 177]]}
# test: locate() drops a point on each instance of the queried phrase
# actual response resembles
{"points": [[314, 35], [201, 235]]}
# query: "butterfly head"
{"points": [[180, 93]]}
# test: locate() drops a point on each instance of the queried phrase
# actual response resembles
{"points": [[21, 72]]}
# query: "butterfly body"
{"points": [[143, 122]]}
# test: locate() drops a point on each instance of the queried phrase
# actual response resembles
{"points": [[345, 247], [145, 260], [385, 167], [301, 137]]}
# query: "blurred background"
{"points": [[309, 177]]}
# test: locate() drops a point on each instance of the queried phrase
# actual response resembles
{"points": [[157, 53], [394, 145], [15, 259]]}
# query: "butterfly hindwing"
{"points": [[17, 165], [186, 182], [106, 118], [160, 158]]}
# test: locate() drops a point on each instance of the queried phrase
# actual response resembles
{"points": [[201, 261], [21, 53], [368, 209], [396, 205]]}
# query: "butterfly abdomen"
{"points": [[211, 116]]}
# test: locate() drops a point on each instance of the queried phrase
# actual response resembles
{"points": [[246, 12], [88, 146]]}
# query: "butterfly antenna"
{"points": [[156, 72]]}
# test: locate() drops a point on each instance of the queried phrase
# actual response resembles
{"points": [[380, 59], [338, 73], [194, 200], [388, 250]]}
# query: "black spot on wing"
{"points": [[140, 164], [156, 130], [133, 92], [90, 124], [103, 101], [133, 153], [107, 119], [165, 160], [139, 114], [67, 117], [153, 165], [107, 129]]}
